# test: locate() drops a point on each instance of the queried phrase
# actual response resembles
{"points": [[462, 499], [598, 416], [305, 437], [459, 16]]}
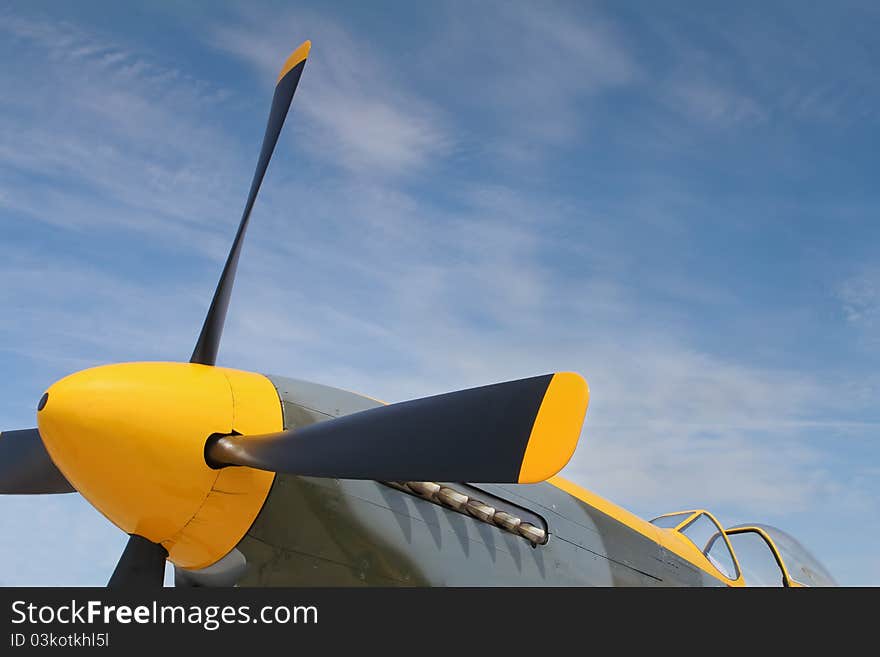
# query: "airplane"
{"points": [[245, 479]]}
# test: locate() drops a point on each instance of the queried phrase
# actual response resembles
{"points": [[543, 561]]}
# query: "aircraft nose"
{"points": [[64, 422], [131, 438]]}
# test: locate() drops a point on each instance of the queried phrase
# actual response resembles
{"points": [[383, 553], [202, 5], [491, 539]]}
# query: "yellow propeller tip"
{"points": [[557, 427], [297, 56]]}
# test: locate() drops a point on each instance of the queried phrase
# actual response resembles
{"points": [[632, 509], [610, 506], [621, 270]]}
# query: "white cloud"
{"points": [[532, 71], [80, 123], [353, 113], [78, 315], [713, 103], [802, 65], [443, 302], [860, 298]]}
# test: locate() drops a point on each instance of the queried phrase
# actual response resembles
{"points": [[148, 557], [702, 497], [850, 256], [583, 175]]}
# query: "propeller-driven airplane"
{"points": [[247, 479]]}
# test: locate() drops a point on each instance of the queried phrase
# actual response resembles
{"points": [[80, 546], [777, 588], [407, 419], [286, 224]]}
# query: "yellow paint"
{"points": [[556, 429], [739, 581], [295, 58], [669, 539], [130, 438], [239, 492], [620, 514]]}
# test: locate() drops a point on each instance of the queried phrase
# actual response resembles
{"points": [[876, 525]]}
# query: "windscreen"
{"points": [[802, 566], [756, 560], [708, 537], [671, 521]]}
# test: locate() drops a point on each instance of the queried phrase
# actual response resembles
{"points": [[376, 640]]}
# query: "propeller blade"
{"points": [[26, 467], [208, 344], [141, 566], [516, 432]]}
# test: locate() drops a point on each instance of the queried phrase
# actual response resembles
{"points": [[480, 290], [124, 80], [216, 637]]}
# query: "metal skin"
{"points": [[324, 532], [338, 532]]}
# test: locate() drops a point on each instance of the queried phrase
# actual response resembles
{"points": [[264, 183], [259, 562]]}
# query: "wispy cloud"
{"points": [[669, 424], [714, 104], [80, 120], [401, 256], [356, 115], [860, 298], [532, 72], [794, 68]]}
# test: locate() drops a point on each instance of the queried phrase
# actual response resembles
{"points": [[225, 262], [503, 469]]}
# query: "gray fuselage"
{"points": [[335, 532]]}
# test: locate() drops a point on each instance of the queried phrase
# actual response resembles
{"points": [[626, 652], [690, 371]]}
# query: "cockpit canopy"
{"points": [[701, 529], [799, 566], [765, 555]]}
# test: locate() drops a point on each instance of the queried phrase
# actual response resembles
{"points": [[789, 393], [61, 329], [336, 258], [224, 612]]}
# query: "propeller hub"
{"points": [[131, 437]]}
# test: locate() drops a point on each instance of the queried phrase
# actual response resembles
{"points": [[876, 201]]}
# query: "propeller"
{"points": [[516, 432], [26, 467], [520, 431], [141, 566], [208, 343], [143, 562]]}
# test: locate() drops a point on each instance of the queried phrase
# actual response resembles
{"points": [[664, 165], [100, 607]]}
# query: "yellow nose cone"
{"points": [[131, 439]]}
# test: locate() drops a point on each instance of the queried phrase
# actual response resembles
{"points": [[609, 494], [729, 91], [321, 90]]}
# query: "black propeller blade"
{"points": [[209, 339], [521, 431], [141, 566], [25, 466]]}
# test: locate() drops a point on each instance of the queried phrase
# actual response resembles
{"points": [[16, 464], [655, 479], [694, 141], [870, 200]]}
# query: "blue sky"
{"points": [[677, 200]]}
